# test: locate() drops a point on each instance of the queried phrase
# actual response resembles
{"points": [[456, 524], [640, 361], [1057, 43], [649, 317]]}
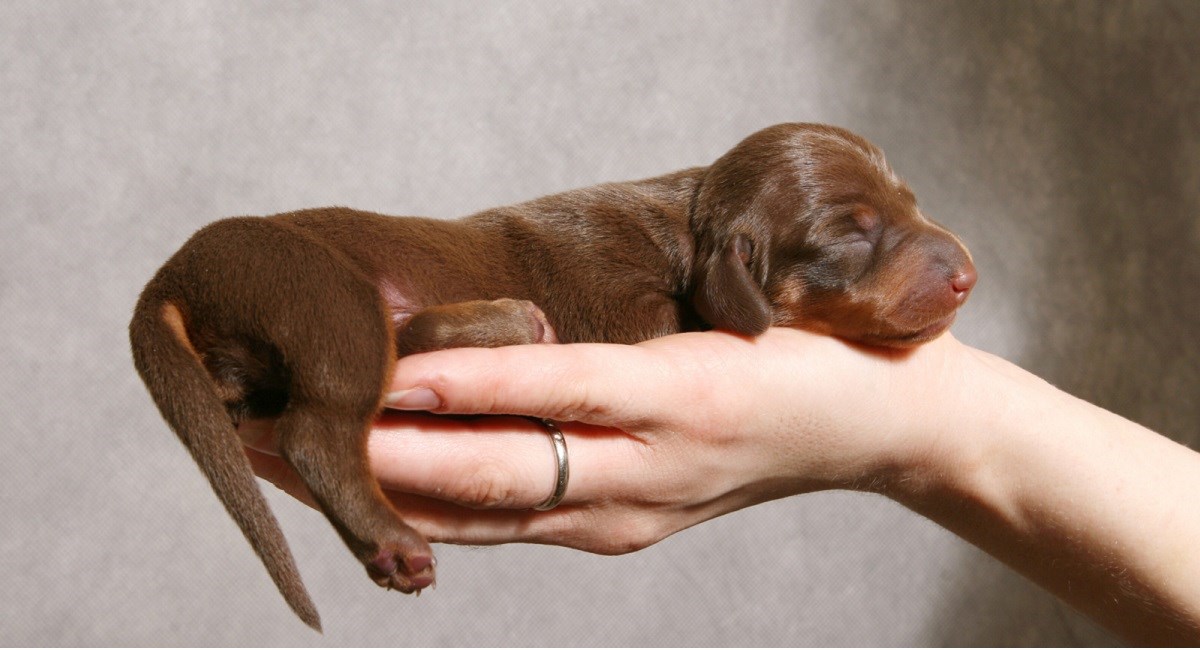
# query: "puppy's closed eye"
{"points": [[856, 244], [857, 234], [865, 226]]}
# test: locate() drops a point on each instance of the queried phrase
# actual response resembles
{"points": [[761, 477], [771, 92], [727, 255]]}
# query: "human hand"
{"points": [[661, 435]]}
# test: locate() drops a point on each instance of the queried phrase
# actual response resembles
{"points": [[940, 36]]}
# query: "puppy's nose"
{"points": [[963, 281]]}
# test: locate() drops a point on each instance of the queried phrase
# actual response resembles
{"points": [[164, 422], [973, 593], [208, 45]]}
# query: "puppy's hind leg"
{"points": [[340, 354], [326, 447]]}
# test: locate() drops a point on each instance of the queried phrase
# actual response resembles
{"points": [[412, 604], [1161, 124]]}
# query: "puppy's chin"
{"points": [[909, 338]]}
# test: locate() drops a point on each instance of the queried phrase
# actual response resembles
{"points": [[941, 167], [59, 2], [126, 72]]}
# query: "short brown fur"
{"points": [[301, 316]]}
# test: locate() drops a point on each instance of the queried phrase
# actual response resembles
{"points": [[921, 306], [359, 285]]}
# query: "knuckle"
{"points": [[488, 485], [632, 533], [576, 380], [462, 392], [608, 535], [578, 405]]}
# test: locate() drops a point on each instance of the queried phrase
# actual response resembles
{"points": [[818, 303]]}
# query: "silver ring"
{"points": [[560, 461]]}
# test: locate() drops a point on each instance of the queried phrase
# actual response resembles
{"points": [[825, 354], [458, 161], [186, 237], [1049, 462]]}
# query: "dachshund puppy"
{"points": [[301, 316]]}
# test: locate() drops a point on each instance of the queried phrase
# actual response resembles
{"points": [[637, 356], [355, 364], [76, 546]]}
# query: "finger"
{"points": [[496, 462], [481, 463], [609, 385], [259, 434], [274, 470], [441, 521]]}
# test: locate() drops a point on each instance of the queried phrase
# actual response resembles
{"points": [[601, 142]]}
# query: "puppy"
{"points": [[301, 316]]}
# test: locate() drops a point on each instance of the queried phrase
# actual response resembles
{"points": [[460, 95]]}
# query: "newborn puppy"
{"points": [[301, 316]]}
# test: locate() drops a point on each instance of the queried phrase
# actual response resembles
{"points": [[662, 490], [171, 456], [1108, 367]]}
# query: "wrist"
{"points": [[991, 451], [959, 412], [872, 420]]}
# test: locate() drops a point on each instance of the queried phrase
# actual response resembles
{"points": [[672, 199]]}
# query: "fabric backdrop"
{"points": [[1061, 140]]}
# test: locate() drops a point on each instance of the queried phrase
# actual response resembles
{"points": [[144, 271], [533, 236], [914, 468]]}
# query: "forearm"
{"points": [[1096, 509]]}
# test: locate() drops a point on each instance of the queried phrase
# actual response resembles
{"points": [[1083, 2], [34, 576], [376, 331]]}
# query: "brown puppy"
{"points": [[301, 316]]}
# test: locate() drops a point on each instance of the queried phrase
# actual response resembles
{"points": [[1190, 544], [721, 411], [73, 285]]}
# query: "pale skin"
{"points": [[674, 431]]}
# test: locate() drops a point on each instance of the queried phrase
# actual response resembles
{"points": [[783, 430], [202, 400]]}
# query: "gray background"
{"points": [[1062, 141]]}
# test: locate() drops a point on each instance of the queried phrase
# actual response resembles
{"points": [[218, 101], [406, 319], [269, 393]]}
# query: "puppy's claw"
{"points": [[393, 570]]}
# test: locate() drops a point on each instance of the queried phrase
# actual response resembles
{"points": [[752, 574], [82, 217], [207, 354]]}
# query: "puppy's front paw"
{"points": [[475, 324], [540, 326]]}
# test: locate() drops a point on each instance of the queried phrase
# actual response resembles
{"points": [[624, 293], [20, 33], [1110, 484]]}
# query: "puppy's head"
{"points": [[806, 225]]}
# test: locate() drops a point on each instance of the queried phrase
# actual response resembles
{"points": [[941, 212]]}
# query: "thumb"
{"points": [[602, 384]]}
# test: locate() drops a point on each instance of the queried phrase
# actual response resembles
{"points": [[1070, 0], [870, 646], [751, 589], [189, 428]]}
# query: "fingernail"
{"points": [[412, 399]]}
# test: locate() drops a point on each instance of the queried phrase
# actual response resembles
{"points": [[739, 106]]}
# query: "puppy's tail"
{"points": [[187, 398]]}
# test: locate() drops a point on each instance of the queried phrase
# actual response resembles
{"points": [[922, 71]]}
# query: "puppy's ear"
{"points": [[726, 295]]}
